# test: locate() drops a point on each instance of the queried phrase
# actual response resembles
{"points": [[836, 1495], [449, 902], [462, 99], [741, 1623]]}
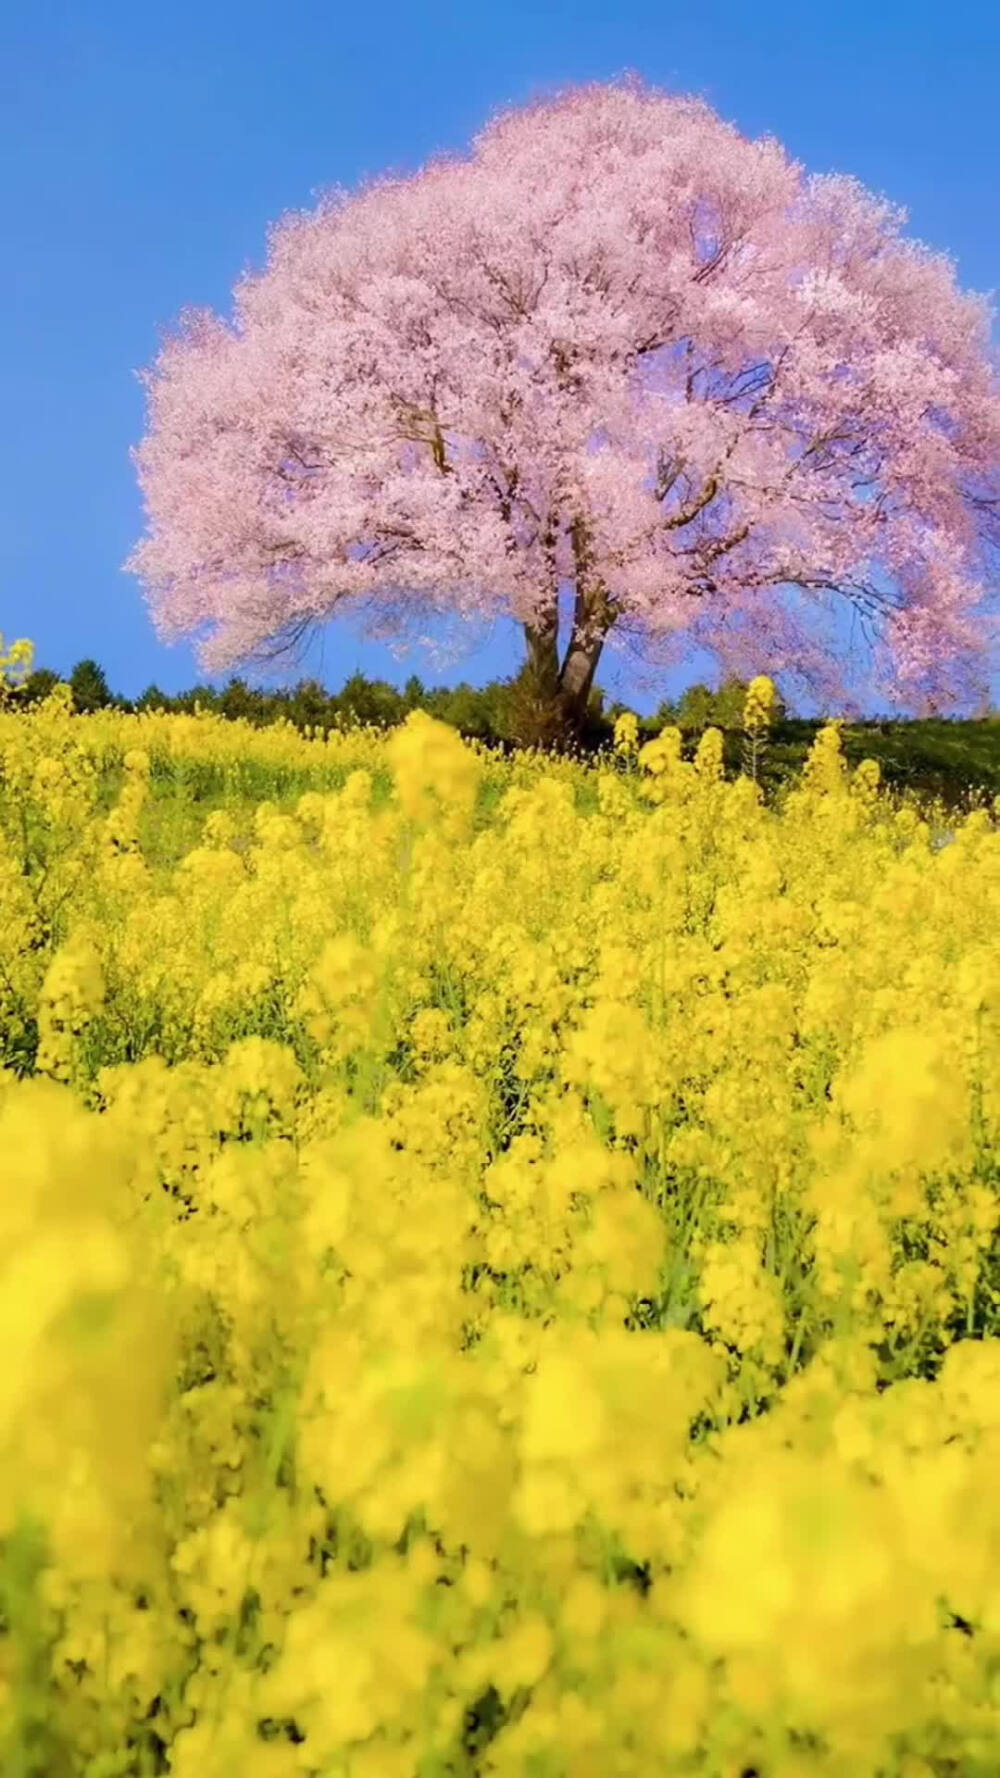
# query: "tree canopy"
{"points": [[89, 686], [619, 350]]}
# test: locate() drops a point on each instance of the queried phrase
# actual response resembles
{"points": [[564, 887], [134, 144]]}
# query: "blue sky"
{"points": [[145, 151]]}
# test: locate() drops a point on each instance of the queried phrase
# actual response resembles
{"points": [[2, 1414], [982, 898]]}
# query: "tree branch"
{"points": [[704, 499]]}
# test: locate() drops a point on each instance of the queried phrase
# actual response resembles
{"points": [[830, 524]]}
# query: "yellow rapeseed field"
{"points": [[499, 1261]]}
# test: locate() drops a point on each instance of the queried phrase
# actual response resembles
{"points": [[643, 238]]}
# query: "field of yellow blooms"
{"points": [[499, 1261]]}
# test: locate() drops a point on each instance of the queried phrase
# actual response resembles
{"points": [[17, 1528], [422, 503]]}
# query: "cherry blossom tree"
{"points": [[618, 352]]}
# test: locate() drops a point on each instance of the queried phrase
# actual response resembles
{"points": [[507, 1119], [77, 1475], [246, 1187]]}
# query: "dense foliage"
{"points": [[501, 1260]]}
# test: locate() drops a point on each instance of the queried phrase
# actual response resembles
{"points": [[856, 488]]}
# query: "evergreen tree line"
{"points": [[493, 713]]}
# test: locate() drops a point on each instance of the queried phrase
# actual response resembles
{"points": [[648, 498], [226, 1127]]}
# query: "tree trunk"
{"points": [[586, 644], [552, 699], [542, 637], [555, 697]]}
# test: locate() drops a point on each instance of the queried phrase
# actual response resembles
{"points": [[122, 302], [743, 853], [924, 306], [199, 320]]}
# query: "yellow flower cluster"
{"points": [[626, 735], [758, 707], [15, 664], [501, 1262], [758, 713]]}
